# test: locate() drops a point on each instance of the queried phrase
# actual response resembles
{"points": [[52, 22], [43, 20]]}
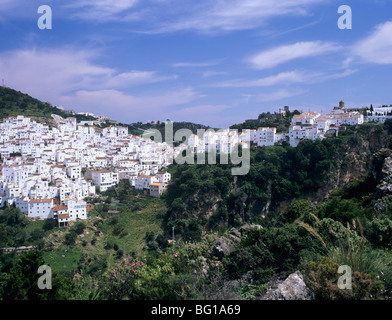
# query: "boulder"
{"points": [[226, 244], [293, 288]]}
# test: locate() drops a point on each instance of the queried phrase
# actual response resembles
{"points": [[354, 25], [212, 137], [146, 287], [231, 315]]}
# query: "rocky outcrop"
{"points": [[385, 184], [293, 288], [226, 244]]}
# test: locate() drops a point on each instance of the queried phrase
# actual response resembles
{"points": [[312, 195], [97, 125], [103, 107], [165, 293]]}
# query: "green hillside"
{"points": [[14, 103]]}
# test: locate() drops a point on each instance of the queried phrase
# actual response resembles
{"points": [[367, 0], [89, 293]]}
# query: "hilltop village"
{"points": [[49, 172]]}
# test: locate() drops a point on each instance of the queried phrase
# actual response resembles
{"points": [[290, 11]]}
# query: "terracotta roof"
{"points": [[40, 200], [58, 208]]}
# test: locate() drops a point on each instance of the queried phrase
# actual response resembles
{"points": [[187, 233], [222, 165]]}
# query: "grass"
{"points": [[62, 259], [135, 225]]}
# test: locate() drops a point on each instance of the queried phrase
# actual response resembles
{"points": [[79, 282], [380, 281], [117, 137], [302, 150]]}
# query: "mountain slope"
{"points": [[203, 196], [14, 103]]}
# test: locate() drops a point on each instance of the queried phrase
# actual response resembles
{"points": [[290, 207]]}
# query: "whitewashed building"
{"points": [[104, 179]]}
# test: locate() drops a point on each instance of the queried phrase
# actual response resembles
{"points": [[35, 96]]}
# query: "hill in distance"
{"points": [[13, 103]]}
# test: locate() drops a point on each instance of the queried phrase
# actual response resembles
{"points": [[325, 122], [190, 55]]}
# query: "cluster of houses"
{"points": [[48, 172], [308, 125], [380, 114]]}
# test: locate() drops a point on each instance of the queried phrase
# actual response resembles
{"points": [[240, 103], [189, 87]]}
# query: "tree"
{"points": [[36, 234], [70, 237], [21, 283], [79, 227], [3, 235], [49, 224], [297, 209]]}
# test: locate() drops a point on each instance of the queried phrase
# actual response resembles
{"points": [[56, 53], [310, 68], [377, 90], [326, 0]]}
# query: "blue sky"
{"points": [[211, 62]]}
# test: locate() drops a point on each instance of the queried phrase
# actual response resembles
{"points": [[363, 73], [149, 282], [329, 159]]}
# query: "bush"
{"points": [[162, 241], [110, 243], [70, 237], [118, 229], [49, 224], [379, 232], [36, 234], [181, 271], [322, 278], [79, 227]]}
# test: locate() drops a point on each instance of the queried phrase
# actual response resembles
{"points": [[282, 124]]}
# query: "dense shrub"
{"points": [[379, 232]]}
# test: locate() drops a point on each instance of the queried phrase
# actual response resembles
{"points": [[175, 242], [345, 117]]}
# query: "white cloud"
{"points": [[202, 110], [285, 53], [73, 80], [102, 10], [210, 73], [377, 47], [129, 108], [216, 115], [281, 78], [161, 16], [133, 78], [280, 94], [226, 15], [194, 64], [51, 73]]}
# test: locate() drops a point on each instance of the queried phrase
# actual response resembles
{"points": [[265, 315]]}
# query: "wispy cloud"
{"points": [[280, 94], [228, 15], [283, 78], [377, 47], [72, 79], [272, 57], [101, 10], [133, 78], [194, 64], [210, 114], [53, 72], [127, 107], [211, 73]]}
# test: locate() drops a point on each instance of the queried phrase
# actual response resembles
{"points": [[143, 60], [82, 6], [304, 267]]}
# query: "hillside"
{"points": [[13, 103], [266, 119], [209, 196], [226, 246], [138, 128], [305, 210]]}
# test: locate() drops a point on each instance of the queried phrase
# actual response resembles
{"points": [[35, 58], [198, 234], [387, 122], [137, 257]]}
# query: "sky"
{"points": [[213, 62]]}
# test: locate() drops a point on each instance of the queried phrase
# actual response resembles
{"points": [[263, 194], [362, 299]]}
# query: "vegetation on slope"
{"points": [[350, 224], [13, 103], [208, 196], [266, 119]]}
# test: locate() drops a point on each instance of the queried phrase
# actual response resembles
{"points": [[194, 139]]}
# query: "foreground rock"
{"points": [[293, 288]]}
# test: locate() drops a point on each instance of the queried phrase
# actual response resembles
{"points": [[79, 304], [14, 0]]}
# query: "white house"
{"points": [[266, 136], [163, 177], [380, 114], [156, 189], [104, 179], [40, 208], [144, 181], [74, 171], [77, 209]]}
